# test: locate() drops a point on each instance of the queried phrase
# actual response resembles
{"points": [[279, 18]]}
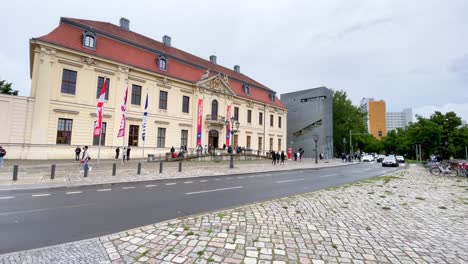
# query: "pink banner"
{"points": [[124, 115], [199, 121], [100, 105], [228, 126]]}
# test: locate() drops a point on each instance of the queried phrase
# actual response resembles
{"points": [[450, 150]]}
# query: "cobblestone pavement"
{"points": [[409, 216]]}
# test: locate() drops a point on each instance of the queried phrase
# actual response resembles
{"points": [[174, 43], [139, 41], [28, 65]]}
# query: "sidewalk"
{"points": [[409, 216], [36, 174]]}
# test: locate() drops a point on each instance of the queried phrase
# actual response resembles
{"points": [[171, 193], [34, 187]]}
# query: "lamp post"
{"points": [[316, 138], [233, 123]]}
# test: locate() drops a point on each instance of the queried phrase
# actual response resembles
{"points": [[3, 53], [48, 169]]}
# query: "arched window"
{"points": [[89, 40], [162, 62], [214, 110]]}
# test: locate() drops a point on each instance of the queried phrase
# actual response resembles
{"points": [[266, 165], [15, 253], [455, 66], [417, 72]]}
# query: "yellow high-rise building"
{"points": [[376, 117]]}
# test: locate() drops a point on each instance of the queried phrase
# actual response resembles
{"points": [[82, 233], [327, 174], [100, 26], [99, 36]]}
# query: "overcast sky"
{"points": [[410, 53]]}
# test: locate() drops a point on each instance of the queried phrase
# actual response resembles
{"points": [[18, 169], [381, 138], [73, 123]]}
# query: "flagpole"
{"points": [[145, 121], [125, 127], [99, 149]]}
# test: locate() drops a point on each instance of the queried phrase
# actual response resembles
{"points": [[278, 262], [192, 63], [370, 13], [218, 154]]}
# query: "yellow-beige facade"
{"points": [[52, 121]]}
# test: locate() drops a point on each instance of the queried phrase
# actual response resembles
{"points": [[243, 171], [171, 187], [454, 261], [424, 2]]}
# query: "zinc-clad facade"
{"points": [[66, 75]]}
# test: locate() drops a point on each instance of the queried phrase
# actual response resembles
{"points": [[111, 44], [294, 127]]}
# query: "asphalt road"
{"points": [[38, 218]]}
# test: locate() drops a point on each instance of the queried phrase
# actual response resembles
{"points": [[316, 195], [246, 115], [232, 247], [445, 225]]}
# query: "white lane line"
{"points": [[217, 179], [6, 197], [328, 175], [126, 188], [150, 185], [43, 209], [171, 183], [103, 190], [74, 192], [216, 190], [203, 180], [290, 180], [241, 177], [188, 182], [41, 195], [228, 178], [251, 176]]}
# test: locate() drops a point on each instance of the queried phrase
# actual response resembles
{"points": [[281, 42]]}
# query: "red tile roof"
{"points": [[127, 47]]}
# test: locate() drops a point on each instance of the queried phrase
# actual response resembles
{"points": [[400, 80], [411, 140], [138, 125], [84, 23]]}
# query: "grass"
{"points": [[442, 207], [285, 207], [368, 228], [334, 246], [200, 253], [386, 208], [221, 215], [190, 233], [420, 198], [210, 231], [141, 255], [186, 228]]}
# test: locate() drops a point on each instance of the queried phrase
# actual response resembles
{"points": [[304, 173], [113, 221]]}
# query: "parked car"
{"points": [[367, 158], [400, 159], [390, 161], [380, 158]]}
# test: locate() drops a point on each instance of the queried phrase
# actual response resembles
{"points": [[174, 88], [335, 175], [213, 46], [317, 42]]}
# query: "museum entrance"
{"points": [[213, 137]]}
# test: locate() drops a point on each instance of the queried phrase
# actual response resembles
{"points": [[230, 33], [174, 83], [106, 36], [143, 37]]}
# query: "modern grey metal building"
{"points": [[310, 112]]}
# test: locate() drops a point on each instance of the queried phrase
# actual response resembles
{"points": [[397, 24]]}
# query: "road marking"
{"points": [[251, 176], [171, 183], [216, 190], [228, 178], [6, 197], [240, 177], [74, 192], [217, 179], [290, 180], [43, 209], [203, 180], [188, 182], [41, 195], [126, 188], [103, 190], [150, 185], [328, 175]]}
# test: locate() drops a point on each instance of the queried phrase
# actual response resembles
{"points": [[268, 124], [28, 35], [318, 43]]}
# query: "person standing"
{"points": [[117, 152], [172, 151], [77, 153], [273, 157], [2, 155], [128, 153], [124, 154], [86, 157], [283, 156]]}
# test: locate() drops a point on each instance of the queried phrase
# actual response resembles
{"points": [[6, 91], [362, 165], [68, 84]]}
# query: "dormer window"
{"points": [[272, 97], [89, 40], [246, 88], [162, 62]]}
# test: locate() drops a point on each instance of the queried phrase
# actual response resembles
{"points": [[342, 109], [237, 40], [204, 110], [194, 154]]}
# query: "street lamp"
{"points": [[316, 138], [233, 123]]}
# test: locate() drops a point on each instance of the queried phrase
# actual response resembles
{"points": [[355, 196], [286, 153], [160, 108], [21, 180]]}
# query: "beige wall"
{"points": [[32, 122]]}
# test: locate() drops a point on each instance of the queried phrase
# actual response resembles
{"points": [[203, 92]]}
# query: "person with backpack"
{"points": [[77, 153], [2, 154]]}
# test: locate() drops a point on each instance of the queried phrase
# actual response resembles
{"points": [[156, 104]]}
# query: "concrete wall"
{"points": [[306, 108]]}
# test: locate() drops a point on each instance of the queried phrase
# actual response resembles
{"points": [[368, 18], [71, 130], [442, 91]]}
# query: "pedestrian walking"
{"points": [[2, 155], [278, 157], [77, 153], [128, 153], [117, 152], [283, 156], [273, 157], [321, 156], [301, 150], [86, 158], [124, 154]]}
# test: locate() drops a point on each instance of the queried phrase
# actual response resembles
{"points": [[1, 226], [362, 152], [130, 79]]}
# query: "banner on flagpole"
{"points": [[124, 115], [199, 121], [100, 105], [145, 117], [228, 126]]}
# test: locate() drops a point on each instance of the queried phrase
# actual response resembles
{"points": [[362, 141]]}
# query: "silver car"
{"points": [[390, 161]]}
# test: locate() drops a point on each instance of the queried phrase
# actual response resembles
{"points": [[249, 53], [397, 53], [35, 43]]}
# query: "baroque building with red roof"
{"points": [[190, 98]]}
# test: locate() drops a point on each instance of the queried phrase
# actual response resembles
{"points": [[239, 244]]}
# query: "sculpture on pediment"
{"points": [[225, 77], [88, 60], [206, 75]]}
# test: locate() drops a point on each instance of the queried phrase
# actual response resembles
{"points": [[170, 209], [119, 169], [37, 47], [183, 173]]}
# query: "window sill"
{"points": [[68, 95]]}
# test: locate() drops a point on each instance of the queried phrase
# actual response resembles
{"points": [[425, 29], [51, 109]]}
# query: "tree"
{"points": [[5, 88], [346, 117]]}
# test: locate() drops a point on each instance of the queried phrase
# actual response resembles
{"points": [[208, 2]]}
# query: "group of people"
{"points": [[299, 154], [125, 153], [183, 149], [84, 158], [277, 158]]}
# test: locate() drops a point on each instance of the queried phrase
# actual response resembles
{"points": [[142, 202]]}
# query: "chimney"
{"points": [[125, 23], [237, 68], [167, 40], [213, 59]]}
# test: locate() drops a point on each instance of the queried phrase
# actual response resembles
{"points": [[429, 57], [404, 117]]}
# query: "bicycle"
{"points": [[444, 169]]}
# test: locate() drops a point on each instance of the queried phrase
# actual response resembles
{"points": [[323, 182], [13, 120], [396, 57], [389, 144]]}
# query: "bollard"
{"points": [[52, 172], [86, 170], [15, 172], [114, 169], [139, 168], [180, 165], [160, 166]]}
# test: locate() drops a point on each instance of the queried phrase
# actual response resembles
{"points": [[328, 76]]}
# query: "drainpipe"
{"points": [[264, 126]]}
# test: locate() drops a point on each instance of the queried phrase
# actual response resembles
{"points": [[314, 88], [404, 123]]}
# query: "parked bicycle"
{"points": [[444, 169]]}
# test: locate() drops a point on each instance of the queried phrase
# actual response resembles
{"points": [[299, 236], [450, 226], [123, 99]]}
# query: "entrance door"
{"points": [[213, 137]]}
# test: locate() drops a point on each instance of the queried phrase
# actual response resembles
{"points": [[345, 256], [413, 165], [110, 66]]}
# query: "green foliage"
{"points": [[5, 88], [346, 117]]}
